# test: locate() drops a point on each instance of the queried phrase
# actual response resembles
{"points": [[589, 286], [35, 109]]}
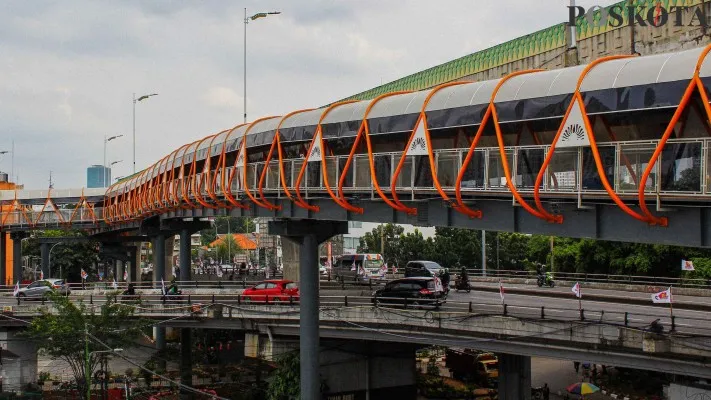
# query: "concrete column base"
{"points": [[19, 363], [514, 377]]}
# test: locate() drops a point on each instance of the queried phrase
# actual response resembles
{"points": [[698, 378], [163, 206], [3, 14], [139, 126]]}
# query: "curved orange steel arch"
{"points": [[276, 143], [458, 184], [227, 191], [187, 178], [364, 130], [267, 206], [210, 182], [577, 98], [695, 83], [324, 169], [196, 183], [433, 170], [175, 181], [502, 149]]}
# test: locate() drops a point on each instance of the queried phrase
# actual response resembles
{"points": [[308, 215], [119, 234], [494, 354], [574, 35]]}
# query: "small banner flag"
{"points": [[101, 275], [115, 284], [361, 270], [84, 275], [383, 269], [576, 290], [687, 265], [662, 297], [501, 291], [438, 284], [125, 275], [162, 287], [17, 289], [219, 272], [41, 275]]}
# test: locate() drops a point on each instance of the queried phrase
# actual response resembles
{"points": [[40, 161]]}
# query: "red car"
{"points": [[278, 290]]}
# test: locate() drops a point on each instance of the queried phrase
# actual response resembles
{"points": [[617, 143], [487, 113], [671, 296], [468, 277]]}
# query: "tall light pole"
{"points": [[107, 139], [49, 261], [246, 21], [140, 98]]}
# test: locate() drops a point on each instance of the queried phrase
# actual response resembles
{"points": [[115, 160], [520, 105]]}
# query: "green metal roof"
{"points": [[525, 46], [507, 52]]}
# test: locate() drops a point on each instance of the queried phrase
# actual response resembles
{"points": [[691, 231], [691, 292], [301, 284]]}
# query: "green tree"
{"points": [[69, 257], [284, 383], [228, 247], [413, 246], [62, 333], [370, 242], [457, 245]]}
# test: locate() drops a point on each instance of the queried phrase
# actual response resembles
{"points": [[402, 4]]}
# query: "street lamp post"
{"points": [[106, 140], [87, 359], [140, 98], [49, 261], [246, 21]]}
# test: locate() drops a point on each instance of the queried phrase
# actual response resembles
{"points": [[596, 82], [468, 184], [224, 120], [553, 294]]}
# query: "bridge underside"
{"points": [[690, 226]]}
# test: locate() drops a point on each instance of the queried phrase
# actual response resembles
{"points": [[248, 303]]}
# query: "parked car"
{"points": [[415, 292], [280, 290], [422, 268], [41, 289]]}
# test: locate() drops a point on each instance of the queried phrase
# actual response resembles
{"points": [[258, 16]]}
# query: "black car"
{"points": [[410, 292], [422, 268]]}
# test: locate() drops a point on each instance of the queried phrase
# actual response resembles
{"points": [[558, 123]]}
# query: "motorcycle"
{"points": [[462, 284], [545, 280]]}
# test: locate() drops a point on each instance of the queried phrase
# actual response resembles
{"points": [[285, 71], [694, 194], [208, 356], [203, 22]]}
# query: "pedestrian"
{"points": [[546, 392], [576, 364]]}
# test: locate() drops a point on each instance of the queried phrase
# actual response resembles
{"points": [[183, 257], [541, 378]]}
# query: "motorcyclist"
{"points": [[444, 276], [130, 291], [173, 288]]}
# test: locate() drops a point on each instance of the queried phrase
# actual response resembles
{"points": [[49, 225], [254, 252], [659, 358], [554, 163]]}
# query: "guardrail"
{"points": [[157, 305], [587, 277]]}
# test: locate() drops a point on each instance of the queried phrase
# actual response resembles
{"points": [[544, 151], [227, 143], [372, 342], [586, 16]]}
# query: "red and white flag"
{"points": [[438, 284], [576, 290], [663, 296], [84, 275], [501, 291], [125, 275], [17, 289], [41, 275], [687, 265]]}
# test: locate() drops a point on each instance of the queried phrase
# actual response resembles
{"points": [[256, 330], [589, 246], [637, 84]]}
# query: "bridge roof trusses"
{"points": [[607, 86]]}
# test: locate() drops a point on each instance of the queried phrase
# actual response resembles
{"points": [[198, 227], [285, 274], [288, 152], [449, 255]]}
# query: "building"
{"points": [[98, 176]]}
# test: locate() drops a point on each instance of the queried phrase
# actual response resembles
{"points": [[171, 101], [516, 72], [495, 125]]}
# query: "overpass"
{"points": [[617, 149], [609, 332]]}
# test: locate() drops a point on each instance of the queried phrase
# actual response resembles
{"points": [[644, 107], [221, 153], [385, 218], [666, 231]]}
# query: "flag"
{"points": [[162, 286], [41, 275], [383, 270], [17, 289], [361, 270], [115, 284], [687, 265], [125, 275], [501, 291], [438, 284], [576, 290], [101, 275], [663, 296], [84, 275]]}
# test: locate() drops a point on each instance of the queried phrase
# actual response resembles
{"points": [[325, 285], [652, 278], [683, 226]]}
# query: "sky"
{"points": [[69, 69]]}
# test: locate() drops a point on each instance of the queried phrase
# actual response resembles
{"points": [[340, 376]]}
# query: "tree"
{"points": [[370, 242], [457, 245], [413, 246], [68, 257], [228, 247], [285, 380], [62, 333]]}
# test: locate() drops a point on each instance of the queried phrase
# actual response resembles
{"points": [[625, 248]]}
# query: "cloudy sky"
{"points": [[68, 69]]}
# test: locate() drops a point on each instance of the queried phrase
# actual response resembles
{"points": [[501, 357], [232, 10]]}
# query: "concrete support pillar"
{"points": [[3, 258], [290, 259], [17, 255], [309, 317], [44, 255], [514, 377], [19, 364], [185, 250], [186, 363], [134, 254], [158, 259], [307, 234], [118, 274]]}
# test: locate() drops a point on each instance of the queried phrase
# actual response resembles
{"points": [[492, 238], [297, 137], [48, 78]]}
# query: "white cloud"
{"points": [[70, 69]]}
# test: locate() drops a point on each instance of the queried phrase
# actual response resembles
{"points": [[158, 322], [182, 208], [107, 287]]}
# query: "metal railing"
{"points": [[235, 305]]}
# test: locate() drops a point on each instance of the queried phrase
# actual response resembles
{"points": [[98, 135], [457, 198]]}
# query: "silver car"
{"points": [[40, 289]]}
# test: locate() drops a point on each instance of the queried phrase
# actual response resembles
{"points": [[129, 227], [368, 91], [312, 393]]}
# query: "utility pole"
{"points": [[483, 253], [552, 265], [87, 370], [382, 240]]}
